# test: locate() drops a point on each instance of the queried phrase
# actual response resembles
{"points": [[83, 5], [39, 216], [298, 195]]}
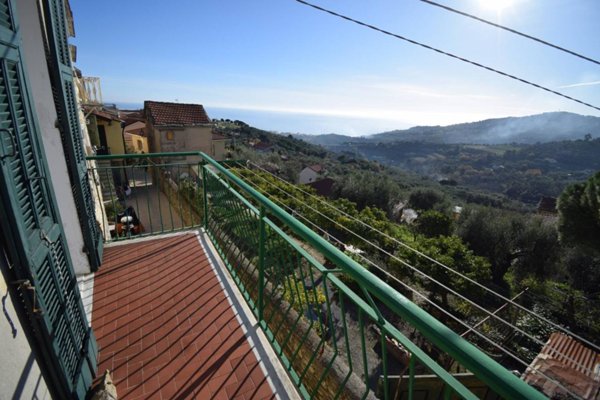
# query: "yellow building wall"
{"points": [[196, 138], [136, 143], [114, 136]]}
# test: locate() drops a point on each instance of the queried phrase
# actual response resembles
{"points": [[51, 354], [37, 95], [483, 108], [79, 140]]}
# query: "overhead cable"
{"points": [[433, 3], [413, 268], [433, 260], [425, 298], [477, 64]]}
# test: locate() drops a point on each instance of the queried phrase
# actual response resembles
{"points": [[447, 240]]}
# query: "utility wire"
{"points": [[403, 262], [415, 269], [408, 287], [505, 74], [433, 3], [421, 254]]}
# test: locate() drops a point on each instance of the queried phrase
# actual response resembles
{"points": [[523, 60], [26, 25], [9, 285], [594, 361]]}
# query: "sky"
{"points": [[282, 66]]}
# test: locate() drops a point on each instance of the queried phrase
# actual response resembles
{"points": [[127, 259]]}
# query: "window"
{"points": [[140, 145], [170, 135]]}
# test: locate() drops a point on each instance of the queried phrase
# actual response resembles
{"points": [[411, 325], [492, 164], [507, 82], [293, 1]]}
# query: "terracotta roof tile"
{"points": [[568, 361], [175, 114]]}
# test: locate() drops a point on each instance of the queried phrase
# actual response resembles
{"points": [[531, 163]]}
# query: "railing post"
{"points": [[205, 197], [261, 264]]}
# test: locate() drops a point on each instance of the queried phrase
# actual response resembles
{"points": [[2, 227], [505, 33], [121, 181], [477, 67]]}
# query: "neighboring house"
{"points": [[310, 174], [323, 187], [533, 172], [135, 138], [105, 130], [175, 127], [547, 206], [132, 116], [218, 146], [49, 235]]}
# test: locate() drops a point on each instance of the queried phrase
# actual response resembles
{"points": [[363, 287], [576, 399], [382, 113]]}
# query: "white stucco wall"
{"points": [[307, 175], [41, 93], [20, 375]]}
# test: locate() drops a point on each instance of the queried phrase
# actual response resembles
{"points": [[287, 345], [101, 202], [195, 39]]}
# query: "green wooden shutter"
{"points": [[68, 117], [31, 225]]}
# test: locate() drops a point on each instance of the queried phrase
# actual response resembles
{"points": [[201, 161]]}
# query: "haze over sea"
{"points": [[294, 122]]}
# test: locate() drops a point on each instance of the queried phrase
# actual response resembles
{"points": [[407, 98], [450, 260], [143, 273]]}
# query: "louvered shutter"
{"points": [[31, 226], [68, 118]]}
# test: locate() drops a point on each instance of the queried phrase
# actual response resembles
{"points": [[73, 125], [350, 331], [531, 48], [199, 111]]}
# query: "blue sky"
{"points": [[282, 66]]}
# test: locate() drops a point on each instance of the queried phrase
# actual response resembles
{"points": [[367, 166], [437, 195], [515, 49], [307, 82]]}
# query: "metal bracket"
{"points": [[44, 236], [25, 284]]}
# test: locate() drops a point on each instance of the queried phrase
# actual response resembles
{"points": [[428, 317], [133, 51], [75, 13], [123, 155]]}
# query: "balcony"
{"points": [[210, 290], [90, 91]]}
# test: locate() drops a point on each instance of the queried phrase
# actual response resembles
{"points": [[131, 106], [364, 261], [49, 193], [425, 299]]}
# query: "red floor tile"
{"points": [[165, 328]]}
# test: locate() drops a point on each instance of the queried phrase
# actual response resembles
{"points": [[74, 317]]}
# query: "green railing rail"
{"points": [[316, 323]]}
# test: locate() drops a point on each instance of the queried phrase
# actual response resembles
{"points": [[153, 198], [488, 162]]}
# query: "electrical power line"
{"points": [[408, 287], [403, 262], [421, 254], [433, 3], [477, 64]]}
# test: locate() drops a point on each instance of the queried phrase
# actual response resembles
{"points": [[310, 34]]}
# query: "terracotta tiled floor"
{"points": [[165, 328]]}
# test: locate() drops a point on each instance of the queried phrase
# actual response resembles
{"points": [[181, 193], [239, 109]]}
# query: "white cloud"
{"points": [[592, 83], [355, 105]]}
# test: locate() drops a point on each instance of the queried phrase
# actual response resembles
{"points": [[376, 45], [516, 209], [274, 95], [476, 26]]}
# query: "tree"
{"points": [[490, 233], [452, 252], [425, 199], [537, 250], [579, 214], [433, 223]]}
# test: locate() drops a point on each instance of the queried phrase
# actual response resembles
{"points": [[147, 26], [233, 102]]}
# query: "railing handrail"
{"points": [[497, 377]]}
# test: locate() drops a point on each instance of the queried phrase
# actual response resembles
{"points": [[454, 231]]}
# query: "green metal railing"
{"points": [[334, 341], [145, 196]]}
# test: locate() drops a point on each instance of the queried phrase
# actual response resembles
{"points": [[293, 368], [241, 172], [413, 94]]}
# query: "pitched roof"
{"points": [[317, 168], [104, 114], [324, 187], [569, 362], [134, 126], [175, 114]]}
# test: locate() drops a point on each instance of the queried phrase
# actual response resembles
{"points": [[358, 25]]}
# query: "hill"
{"points": [[547, 127]]}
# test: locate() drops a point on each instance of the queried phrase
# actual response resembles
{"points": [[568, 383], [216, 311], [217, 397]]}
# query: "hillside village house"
{"points": [[310, 174], [105, 130], [135, 138], [174, 127]]}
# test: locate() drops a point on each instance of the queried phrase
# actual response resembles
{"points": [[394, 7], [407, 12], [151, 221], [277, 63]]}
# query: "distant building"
{"points": [[135, 137], [175, 127], [106, 133], [567, 361], [547, 206], [409, 215], [323, 187], [456, 212], [533, 172], [310, 174]]}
